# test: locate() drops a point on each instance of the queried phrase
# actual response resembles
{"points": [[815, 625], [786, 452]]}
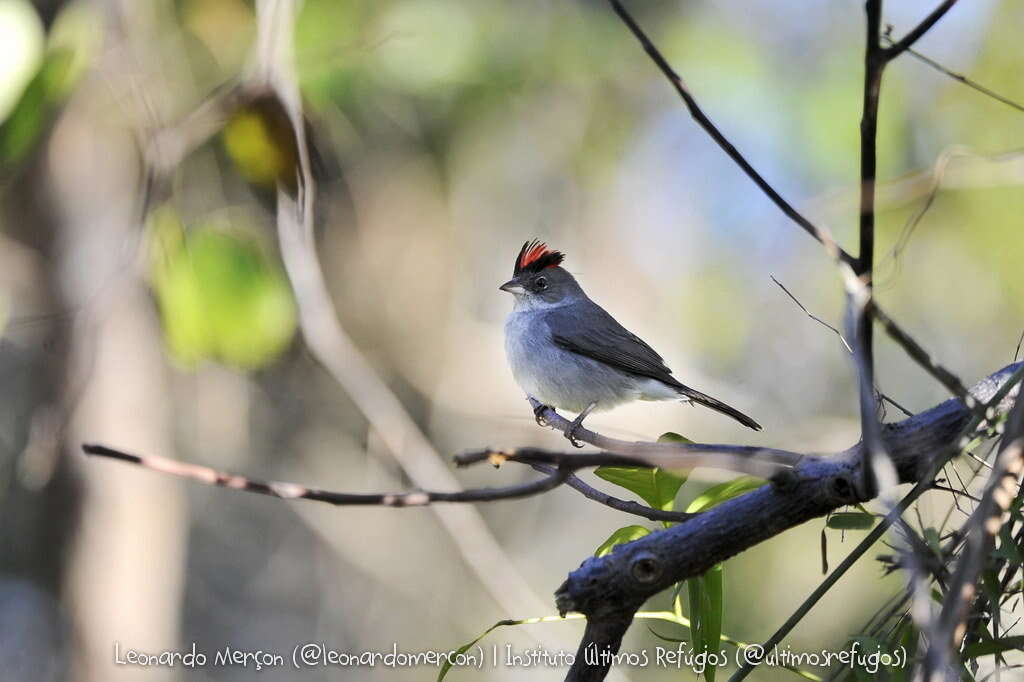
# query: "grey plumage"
{"points": [[568, 352]]}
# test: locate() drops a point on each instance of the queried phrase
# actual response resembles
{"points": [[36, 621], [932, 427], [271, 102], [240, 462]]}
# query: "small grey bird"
{"points": [[567, 352]]}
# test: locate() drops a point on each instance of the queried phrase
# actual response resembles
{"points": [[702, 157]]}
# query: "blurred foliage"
{"points": [[259, 140], [221, 294], [21, 48], [21, 131], [35, 102]]}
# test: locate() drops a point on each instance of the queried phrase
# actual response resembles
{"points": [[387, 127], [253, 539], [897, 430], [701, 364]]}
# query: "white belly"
{"points": [[567, 380]]}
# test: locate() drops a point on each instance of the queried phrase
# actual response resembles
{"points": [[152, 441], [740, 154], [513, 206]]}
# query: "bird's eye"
{"points": [[541, 283]]}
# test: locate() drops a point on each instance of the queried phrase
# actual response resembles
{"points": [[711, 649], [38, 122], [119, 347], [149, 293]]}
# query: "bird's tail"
{"points": [[718, 406]]}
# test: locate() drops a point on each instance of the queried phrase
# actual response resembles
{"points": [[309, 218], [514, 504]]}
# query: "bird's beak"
{"points": [[513, 287]]}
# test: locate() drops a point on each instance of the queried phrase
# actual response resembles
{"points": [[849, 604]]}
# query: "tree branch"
{"points": [[627, 506], [948, 629], [293, 491], [609, 588], [904, 44], [959, 77], [749, 459]]}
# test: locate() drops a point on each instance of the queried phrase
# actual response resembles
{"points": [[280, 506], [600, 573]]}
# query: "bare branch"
{"points": [[905, 43], [974, 85], [842, 338], [627, 506], [294, 491], [813, 317], [749, 459]]}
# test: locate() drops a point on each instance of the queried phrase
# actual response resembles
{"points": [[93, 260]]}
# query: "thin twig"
{"points": [[908, 40], [812, 316], [295, 491], [955, 492], [973, 84], [749, 459], [842, 338], [627, 506]]}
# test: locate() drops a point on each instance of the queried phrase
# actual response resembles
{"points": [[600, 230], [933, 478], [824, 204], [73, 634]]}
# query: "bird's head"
{"points": [[537, 279]]}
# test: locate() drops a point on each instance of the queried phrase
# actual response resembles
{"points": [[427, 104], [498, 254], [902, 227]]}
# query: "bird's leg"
{"points": [[570, 432], [538, 414]]}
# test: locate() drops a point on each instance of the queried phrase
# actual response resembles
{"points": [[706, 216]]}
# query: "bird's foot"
{"points": [[538, 415], [570, 431]]}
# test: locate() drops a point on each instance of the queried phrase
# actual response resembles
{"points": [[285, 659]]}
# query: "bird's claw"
{"points": [[570, 433], [538, 415]]}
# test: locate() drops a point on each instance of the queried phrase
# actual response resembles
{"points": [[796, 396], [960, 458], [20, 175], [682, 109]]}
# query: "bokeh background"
{"points": [[450, 132]]}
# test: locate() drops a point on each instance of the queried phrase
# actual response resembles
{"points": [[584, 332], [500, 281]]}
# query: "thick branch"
{"points": [[608, 587]]}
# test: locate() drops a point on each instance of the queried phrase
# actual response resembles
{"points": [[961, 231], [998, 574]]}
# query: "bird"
{"points": [[567, 352]]}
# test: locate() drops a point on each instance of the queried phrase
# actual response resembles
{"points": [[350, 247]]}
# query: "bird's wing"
{"points": [[586, 328]]}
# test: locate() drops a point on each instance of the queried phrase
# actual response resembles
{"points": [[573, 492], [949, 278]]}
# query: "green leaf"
{"points": [[994, 646], [220, 294], [695, 597], [851, 521], [718, 494], [446, 666], [712, 609], [656, 487], [37, 107], [260, 140], [931, 537], [622, 535], [665, 638], [1008, 549], [670, 437]]}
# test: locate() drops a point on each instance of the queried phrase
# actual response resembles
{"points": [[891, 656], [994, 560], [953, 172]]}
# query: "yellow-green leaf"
{"points": [[724, 491], [657, 487], [622, 535]]}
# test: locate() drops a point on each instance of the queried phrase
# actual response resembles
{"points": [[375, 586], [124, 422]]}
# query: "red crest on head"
{"points": [[535, 256]]}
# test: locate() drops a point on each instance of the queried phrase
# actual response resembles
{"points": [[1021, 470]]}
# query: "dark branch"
{"points": [[999, 392], [295, 491], [627, 506], [607, 588], [904, 44], [754, 460]]}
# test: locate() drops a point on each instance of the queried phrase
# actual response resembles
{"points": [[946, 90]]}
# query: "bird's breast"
{"points": [[556, 376]]}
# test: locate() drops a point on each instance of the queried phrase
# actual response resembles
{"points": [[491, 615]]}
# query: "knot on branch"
{"points": [[843, 489], [645, 568]]}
